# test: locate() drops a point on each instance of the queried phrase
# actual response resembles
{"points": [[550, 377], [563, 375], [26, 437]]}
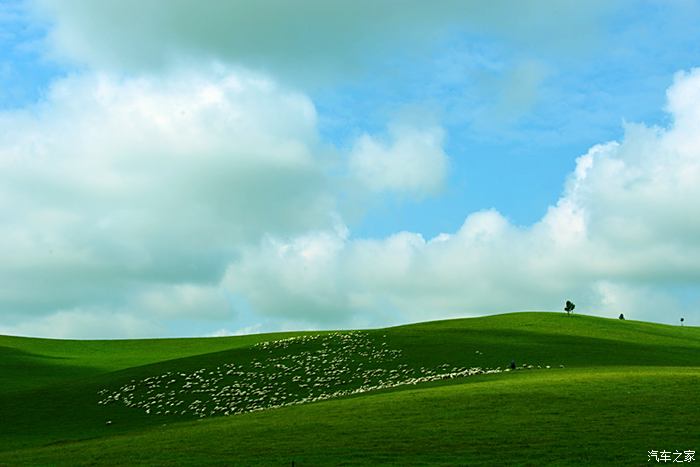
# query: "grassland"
{"points": [[625, 388]]}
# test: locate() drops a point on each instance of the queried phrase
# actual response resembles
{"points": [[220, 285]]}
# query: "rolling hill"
{"points": [[586, 390]]}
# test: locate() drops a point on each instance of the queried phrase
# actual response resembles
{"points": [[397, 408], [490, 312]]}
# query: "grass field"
{"points": [[591, 391]]}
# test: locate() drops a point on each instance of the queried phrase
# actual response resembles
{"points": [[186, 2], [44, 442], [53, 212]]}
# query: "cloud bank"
{"points": [[623, 238], [303, 38], [119, 193], [152, 194], [205, 197], [131, 196]]}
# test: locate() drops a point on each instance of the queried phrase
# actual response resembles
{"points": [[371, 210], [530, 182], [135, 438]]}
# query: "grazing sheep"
{"points": [[293, 371]]}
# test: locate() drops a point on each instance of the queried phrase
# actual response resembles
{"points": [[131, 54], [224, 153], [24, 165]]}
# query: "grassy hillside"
{"points": [[574, 416], [53, 361], [625, 388]]}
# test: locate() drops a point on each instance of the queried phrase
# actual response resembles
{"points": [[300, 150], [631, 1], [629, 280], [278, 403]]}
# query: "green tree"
{"points": [[569, 307]]}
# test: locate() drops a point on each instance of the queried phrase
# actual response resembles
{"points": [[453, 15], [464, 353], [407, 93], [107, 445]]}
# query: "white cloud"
{"points": [[299, 273], [139, 191], [90, 323], [624, 237], [173, 301], [134, 194], [254, 329], [412, 162]]}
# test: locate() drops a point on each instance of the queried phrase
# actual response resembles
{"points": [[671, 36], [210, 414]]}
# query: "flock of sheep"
{"points": [[291, 371]]}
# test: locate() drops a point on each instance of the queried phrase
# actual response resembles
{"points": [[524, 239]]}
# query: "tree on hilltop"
{"points": [[569, 308]]}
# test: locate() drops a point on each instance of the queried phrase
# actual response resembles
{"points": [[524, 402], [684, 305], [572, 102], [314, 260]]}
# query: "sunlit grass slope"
{"points": [[626, 387], [30, 363]]}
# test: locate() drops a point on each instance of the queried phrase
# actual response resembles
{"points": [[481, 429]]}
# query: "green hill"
{"points": [[587, 390]]}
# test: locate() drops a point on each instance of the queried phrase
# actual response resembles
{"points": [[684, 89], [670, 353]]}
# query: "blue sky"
{"points": [[620, 74], [240, 167]]}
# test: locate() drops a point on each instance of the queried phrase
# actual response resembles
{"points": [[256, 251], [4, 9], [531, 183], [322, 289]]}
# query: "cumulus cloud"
{"points": [[397, 279], [300, 274], [135, 194], [412, 161], [174, 301], [139, 191], [623, 237]]}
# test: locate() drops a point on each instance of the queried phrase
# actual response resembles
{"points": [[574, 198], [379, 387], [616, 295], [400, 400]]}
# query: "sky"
{"points": [[182, 168]]}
